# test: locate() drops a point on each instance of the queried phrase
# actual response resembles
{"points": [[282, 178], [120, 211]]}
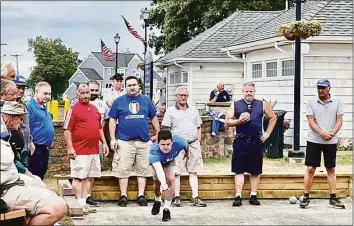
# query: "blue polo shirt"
{"points": [[156, 155], [40, 122], [222, 97], [133, 114]]}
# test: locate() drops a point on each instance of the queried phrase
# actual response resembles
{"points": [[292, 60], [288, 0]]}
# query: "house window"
{"points": [[185, 77], [109, 71], [121, 71], [288, 67], [257, 70], [178, 78], [172, 78], [271, 69]]}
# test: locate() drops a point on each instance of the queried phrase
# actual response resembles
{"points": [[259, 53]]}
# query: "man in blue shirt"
{"points": [[130, 139], [41, 129], [219, 94], [162, 159]]}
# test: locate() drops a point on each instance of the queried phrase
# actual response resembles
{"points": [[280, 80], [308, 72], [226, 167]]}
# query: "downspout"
{"points": [[281, 50], [178, 65], [243, 60]]}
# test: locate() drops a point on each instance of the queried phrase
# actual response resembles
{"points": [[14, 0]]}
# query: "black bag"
{"points": [[3, 206]]}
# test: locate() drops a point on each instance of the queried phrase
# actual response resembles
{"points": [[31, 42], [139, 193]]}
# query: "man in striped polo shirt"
{"points": [[184, 121]]}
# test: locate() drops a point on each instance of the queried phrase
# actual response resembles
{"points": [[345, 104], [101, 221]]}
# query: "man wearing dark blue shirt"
{"points": [[219, 94], [162, 159], [130, 140], [41, 129]]}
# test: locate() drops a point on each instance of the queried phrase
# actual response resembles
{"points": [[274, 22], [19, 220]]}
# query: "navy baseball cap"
{"points": [[20, 80], [323, 83]]}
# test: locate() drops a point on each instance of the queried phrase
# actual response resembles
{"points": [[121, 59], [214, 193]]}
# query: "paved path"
{"points": [[271, 212]]}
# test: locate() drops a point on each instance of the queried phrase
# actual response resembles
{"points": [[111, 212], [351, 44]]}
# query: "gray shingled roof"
{"points": [[336, 17], [123, 59], [91, 74], [208, 43]]}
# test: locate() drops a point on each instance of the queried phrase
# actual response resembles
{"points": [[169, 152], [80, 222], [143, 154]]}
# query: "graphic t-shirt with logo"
{"points": [[156, 155], [133, 114]]}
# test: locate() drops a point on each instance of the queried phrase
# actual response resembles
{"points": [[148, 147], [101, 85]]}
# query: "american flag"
{"points": [[107, 54], [133, 31]]}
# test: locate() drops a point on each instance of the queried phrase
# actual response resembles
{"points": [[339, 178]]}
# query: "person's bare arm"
{"points": [[156, 125], [104, 143], [160, 173], [230, 120], [199, 133], [109, 103], [337, 126], [272, 117], [112, 124], [325, 135], [69, 144]]}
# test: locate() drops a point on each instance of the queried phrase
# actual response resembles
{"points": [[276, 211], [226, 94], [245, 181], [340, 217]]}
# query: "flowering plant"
{"points": [[286, 124]]}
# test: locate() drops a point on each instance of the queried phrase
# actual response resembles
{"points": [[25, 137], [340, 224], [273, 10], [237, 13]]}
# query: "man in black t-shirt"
{"points": [[219, 94]]}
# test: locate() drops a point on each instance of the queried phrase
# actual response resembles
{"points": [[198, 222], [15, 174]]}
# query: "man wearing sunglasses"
{"points": [[248, 147]]}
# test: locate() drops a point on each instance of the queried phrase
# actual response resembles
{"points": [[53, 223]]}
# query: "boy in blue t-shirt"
{"points": [[162, 159]]}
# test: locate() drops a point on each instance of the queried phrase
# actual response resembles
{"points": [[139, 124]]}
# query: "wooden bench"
{"points": [[13, 218]]}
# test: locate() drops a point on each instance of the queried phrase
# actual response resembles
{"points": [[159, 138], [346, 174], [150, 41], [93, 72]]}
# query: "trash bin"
{"points": [[275, 144]]}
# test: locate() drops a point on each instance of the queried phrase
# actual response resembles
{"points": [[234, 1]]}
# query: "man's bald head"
{"points": [[83, 93]]}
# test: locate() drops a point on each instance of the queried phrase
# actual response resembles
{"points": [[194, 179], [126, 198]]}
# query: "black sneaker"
{"points": [[142, 201], [254, 201], [91, 202], [304, 202], [156, 208], [237, 201], [166, 215], [123, 201], [336, 203]]}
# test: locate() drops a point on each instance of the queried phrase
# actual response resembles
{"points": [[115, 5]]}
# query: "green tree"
{"points": [[181, 20], [55, 63]]}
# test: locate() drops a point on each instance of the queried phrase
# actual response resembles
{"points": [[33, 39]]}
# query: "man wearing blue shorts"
{"points": [[247, 156], [162, 158]]}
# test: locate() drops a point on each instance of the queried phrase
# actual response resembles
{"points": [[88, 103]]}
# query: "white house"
{"points": [[255, 53]]}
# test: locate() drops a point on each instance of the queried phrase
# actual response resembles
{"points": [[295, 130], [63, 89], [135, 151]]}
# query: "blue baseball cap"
{"points": [[20, 80], [323, 83]]}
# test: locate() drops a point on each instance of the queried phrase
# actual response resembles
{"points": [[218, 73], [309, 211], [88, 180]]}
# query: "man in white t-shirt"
{"points": [[113, 93]]}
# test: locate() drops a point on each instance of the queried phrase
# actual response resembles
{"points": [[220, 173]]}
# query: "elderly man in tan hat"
{"points": [[43, 207]]}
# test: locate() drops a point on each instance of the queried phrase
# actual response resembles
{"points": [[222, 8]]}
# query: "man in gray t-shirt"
{"points": [[324, 114]]}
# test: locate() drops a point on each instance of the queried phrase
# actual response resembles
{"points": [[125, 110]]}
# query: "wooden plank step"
{"points": [[65, 188], [225, 194], [74, 206], [12, 214]]}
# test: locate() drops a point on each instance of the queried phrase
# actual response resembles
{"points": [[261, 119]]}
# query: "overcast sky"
{"points": [[80, 24]]}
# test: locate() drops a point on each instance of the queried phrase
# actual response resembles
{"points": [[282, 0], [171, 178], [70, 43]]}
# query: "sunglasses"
{"points": [[249, 108], [94, 90]]}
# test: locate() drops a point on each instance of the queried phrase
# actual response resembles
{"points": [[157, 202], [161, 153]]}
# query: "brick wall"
{"points": [[217, 146]]}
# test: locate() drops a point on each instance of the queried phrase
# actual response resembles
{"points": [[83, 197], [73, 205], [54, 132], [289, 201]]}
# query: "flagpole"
{"points": [[145, 15], [116, 39]]}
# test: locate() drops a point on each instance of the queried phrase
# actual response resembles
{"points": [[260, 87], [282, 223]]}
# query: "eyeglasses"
{"points": [[183, 95], [94, 90]]}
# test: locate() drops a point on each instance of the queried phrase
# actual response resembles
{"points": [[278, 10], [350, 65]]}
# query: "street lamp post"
{"points": [[145, 16], [296, 153], [116, 40]]}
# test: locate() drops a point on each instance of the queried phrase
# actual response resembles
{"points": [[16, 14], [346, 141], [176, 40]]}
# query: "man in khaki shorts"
{"points": [[130, 139], [83, 131], [43, 207], [184, 121]]}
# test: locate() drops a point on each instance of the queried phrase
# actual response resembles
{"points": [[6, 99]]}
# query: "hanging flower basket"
{"points": [[302, 29]]}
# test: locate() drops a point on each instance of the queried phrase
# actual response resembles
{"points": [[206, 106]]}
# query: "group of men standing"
{"points": [[26, 134]]}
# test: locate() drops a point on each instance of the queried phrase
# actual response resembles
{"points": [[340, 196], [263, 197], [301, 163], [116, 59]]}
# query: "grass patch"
{"points": [[210, 161], [344, 160]]}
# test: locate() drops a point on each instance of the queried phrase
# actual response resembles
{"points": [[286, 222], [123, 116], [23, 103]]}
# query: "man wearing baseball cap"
{"points": [[324, 114], [28, 146]]}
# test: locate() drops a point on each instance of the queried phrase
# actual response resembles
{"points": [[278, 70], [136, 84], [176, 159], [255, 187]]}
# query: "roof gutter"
{"points": [[178, 65], [234, 57], [281, 50]]}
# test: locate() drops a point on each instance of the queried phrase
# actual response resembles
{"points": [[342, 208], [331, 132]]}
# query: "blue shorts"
{"points": [[247, 156]]}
